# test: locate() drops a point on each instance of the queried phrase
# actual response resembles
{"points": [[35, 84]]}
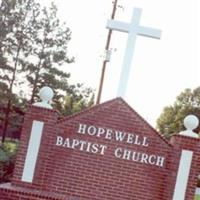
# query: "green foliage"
{"points": [[171, 118], [13, 41], [197, 197], [75, 102], [7, 160], [33, 53], [48, 50]]}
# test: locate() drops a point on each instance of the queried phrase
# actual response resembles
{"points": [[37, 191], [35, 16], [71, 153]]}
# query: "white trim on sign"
{"points": [[32, 152], [197, 191], [183, 175]]}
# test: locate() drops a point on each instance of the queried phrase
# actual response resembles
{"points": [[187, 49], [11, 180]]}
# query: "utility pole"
{"points": [[107, 49]]}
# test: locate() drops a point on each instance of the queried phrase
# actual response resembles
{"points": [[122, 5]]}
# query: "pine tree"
{"points": [[34, 53], [13, 41], [48, 52]]}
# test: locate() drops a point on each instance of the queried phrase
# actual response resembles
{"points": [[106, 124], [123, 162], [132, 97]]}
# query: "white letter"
{"points": [[126, 154], [119, 135], [82, 144], [130, 138], [145, 143], [109, 134], [66, 143], [152, 159], [94, 148], [136, 140], [82, 128], [92, 130], [117, 151], [100, 131], [160, 161], [75, 143], [59, 141], [134, 154], [103, 147], [144, 158], [88, 146]]}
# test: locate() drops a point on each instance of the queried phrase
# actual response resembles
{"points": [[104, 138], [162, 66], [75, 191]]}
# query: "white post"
{"points": [[46, 95], [32, 151], [183, 175], [133, 29], [190, 122]]}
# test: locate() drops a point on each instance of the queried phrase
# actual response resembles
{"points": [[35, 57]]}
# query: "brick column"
{"points": [[38, 133], [187, 160]]}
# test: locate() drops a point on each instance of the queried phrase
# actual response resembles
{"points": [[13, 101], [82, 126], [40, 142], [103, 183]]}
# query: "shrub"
{"points": [[7, 160]]}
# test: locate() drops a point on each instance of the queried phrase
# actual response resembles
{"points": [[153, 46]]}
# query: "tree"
{"points": [[33, 47], [171, 119], [48, 52], [75, 102], [13, 38]]}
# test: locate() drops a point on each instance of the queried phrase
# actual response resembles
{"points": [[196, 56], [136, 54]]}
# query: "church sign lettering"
{"points": [[111, 134]]}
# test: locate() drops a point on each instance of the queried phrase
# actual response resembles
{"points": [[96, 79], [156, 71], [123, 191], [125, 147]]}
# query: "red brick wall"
{"points": [[10, 192], [191, 144], [106, 177], [82, 175], [49, 117]]}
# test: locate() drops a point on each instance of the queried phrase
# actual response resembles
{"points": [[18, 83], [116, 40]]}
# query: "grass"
{"points": [[197, 197]]}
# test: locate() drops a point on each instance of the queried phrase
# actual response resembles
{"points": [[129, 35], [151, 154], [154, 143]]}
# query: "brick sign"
{"points": [[111, 135], [107, 152]]}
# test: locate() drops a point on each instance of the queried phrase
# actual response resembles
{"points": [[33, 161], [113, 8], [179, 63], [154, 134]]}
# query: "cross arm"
{"points": [[118, 26], [149, 32]]}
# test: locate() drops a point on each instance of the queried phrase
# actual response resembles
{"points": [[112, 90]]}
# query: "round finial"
{"points": [[191, 122], [46, 94]]}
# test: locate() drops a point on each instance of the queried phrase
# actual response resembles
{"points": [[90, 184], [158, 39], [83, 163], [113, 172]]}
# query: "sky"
{"points": [[161, 69]]}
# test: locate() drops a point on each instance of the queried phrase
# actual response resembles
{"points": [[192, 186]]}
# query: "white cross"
{"points": [[133, 29]]}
